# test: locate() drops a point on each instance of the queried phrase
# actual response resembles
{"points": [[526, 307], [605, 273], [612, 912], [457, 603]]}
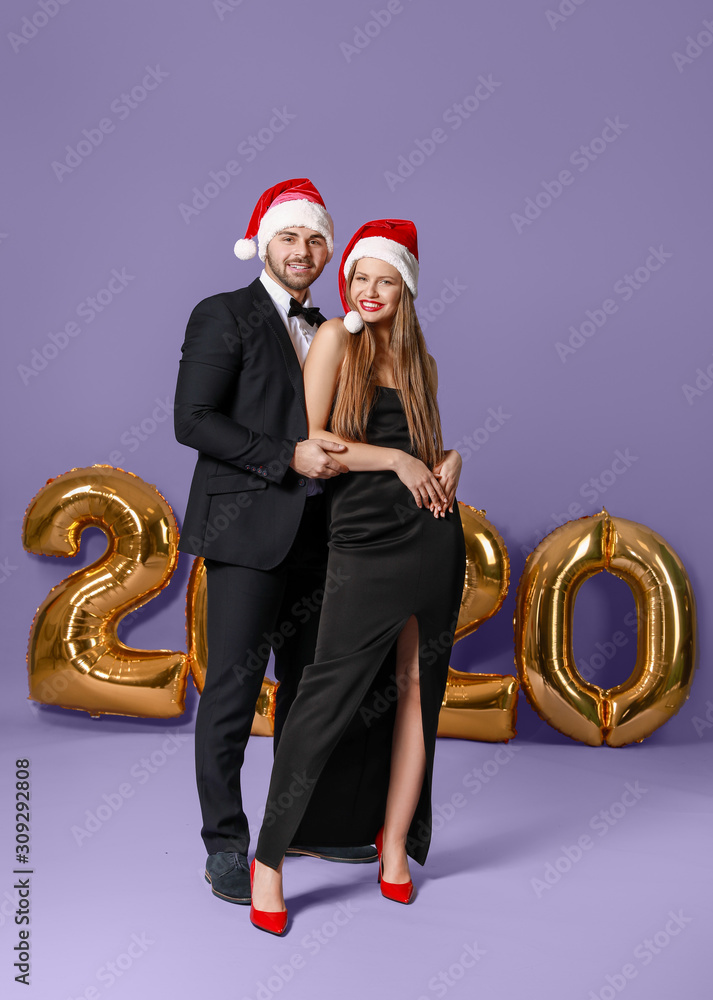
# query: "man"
{"points": [[256, 507]]}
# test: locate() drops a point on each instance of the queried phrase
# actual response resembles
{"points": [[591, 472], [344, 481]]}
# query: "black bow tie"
{"points": [[311, 313]]}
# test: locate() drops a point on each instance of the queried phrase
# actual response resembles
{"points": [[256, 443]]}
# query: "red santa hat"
{"points": [[392, 240], [296, 202]]}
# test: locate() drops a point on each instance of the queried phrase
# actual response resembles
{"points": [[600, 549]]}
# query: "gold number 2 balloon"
{"points": [[196, 633], [75, 658], [666, 645], [480, 706]]}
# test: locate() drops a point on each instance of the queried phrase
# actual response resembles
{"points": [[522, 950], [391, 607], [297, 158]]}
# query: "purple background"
{"points": [[352, 116]]}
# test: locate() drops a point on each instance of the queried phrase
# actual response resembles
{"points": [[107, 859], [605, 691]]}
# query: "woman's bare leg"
{"points": [[267, 888], [408, 757]]}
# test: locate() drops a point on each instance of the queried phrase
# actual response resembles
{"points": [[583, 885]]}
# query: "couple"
{"points": [[329, 483]]}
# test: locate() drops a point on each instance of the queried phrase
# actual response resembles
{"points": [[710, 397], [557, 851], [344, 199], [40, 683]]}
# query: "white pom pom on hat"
{"points": [[245, 249], [292, 203], [353, 321]]}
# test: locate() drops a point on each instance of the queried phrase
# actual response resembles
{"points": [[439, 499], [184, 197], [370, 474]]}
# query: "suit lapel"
{"points": [[274, 322]]}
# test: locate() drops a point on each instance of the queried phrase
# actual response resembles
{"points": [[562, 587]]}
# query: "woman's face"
{"points": [[376, 290]]}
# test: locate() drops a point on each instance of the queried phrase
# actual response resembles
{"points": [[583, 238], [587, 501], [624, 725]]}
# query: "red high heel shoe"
{"points": [[272, 921], [400, 892]]}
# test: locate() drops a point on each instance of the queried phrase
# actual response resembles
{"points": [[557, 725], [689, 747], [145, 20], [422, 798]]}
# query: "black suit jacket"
{"points": [[240, 403]]}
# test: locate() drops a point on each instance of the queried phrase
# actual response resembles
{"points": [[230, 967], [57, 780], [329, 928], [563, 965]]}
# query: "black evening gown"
{"points": [[388, 560]]}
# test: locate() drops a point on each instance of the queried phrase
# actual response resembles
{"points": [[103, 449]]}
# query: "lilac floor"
{"points": [[557, 871]]}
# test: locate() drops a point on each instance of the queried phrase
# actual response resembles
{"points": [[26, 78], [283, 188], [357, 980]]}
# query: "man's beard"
{"points": [[296, 283]]}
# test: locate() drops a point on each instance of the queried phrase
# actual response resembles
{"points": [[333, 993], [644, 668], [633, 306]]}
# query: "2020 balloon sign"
{"points": [[76, 660]]}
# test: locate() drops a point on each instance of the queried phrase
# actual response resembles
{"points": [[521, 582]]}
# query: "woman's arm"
{"points": [[321, 372]]}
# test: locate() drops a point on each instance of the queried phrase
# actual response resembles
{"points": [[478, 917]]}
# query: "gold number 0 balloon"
{"points": [[475, 706], [665, 661], [75, 658]]}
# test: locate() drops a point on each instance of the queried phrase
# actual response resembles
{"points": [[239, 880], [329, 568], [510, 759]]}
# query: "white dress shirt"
{"points": [[300, 331], [301, 334]]}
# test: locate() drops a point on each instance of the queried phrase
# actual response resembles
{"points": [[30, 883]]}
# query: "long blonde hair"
{"points": [[356, 385]]}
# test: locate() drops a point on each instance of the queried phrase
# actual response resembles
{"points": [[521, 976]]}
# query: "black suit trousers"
{"points": [[251, 611]]}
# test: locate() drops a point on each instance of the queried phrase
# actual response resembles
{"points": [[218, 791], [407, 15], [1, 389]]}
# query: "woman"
{"points": [[396, 543]]}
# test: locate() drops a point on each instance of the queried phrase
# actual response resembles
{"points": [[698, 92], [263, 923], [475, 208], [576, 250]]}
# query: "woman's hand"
{"points": [[426, 489], [448, 474]]}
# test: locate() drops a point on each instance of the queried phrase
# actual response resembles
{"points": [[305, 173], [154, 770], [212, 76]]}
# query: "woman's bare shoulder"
{"points": [[334, 328]]}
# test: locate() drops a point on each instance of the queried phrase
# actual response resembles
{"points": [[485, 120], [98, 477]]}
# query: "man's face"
{"points": [[296, 257]]}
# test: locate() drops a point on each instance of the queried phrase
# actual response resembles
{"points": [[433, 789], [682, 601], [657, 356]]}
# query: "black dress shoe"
{"points": [[229, 876], [345, 855]]}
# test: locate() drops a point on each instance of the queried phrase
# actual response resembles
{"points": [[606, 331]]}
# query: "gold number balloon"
{"points": [[666, 646], [75, 658], [480, 706], [196, 632]]}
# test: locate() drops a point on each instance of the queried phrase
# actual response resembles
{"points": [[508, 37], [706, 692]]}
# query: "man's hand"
{"points": [[311, 459]]}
